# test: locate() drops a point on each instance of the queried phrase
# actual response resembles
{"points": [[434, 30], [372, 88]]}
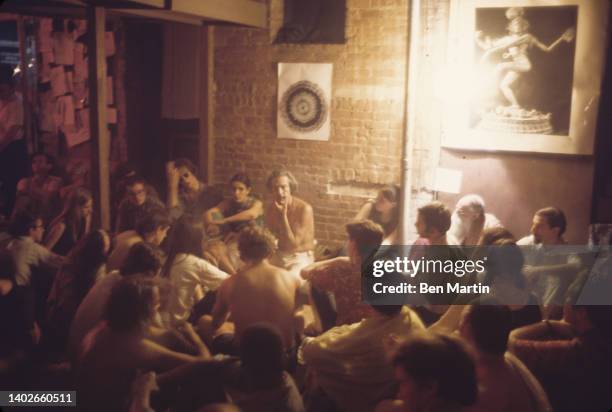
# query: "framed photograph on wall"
{"points": [[524, 75]]}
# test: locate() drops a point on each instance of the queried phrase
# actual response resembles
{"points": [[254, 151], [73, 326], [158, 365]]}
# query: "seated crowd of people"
{"points": [[206, 303]]}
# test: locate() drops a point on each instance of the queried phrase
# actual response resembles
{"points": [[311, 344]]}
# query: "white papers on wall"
{"points": [[46, 122], [69, 82], [109, 43], [80, 94], [81, 28], [45, 41], [63, 48], [65, 108], [80, 133], [304, 100], [80, 62], [58, 81], [111, 115]]}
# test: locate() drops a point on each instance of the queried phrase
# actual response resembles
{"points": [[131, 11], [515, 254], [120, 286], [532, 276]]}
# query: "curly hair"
{"points": [[256, 243]]}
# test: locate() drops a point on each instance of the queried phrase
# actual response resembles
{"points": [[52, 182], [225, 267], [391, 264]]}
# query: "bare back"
{"points": [[263, 293]]}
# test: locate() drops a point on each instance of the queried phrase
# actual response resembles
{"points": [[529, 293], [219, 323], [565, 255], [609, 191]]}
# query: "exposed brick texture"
{"points": [[367, 109]]}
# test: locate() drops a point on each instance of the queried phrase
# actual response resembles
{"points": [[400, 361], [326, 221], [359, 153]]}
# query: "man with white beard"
{"points": [[469, 220]]}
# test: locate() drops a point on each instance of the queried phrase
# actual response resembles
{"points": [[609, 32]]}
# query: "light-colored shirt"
{"points": [[27, 255], [549, 288], [350, 361], [186, 273]]}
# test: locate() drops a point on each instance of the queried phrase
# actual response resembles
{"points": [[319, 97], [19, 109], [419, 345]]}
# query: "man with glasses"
{"points": [[27, 231], [35, 264], [140, 199]]}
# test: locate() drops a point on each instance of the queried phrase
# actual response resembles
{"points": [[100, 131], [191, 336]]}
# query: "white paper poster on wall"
{"points": [[304, 100]]}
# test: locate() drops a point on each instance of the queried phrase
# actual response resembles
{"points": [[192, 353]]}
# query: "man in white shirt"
{"points": [[549, 269], [291, 220], [35, 264], [28, 254], [13, 151]]}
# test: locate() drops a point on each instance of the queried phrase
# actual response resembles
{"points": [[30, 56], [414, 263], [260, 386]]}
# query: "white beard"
{"points": [[459, 229]]}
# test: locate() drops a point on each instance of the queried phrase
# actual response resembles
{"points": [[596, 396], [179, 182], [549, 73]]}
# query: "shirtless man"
{"points": [[504, 382], [259, 292], [115, 350], [291, 220]]}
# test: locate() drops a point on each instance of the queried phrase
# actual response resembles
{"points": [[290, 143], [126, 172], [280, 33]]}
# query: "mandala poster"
{"points": [[304, 98], [524, 75]]}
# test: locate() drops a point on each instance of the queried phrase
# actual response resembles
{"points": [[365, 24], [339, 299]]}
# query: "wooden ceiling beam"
{"points": [[246, 12], [163, 15]]}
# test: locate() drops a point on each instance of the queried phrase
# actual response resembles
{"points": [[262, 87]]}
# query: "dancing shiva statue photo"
{"points": [[514, 49]]}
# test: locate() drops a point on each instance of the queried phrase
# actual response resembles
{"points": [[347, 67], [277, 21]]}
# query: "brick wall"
{"points": [[367, 116]]}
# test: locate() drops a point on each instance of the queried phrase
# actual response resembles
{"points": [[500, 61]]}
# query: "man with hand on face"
{"points": [[291, 220], [186, 193]]}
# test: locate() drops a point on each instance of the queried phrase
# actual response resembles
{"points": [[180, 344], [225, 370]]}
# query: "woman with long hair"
{"points": [[85, 264], [190, 276], [72, 224]]}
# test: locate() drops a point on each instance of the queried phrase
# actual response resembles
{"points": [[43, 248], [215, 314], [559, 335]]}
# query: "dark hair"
{"points": [[22, 222], [124, 170], [256, 243], [262, 354], [185, 237], [130, 304], [242, 178], [76, 199], [293, 185], [6, 74], [387, 310], [7, 266], [490, 324], [133, 180], [436, 216], [50, 159], [184, 162], [151, 221], [432, 357], [601, 318], [367, 236], [391, 193], [554, 217], [505, 259], [85, 259], [494, 234], [142, 258]]}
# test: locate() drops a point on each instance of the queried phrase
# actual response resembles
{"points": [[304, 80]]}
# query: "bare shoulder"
{"points": [[302, 205], [23, 184], [340, 261], [58, 227]]}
